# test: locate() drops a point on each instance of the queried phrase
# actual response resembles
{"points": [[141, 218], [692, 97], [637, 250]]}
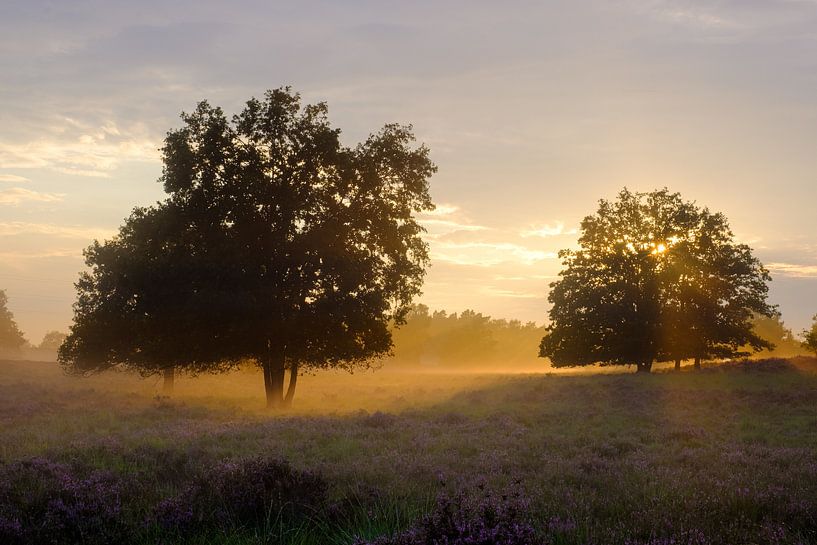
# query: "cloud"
{"points": [[14, 228], [11, 178], [486, 254], [80, 150], [17, 195], [547, 230], [442, 210], [43, 254], [497, 292], [450, 225], [688, 14], [697, 18], [794, 270], [446, 220]]}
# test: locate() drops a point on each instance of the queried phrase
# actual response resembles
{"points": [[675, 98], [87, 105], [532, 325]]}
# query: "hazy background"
{"points": [[532, 110]]}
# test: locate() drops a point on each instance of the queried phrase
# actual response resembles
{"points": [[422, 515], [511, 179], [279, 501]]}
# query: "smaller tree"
{"points": [[11, 338], [810, 336], [774, 331], [655, 278], [52, 341]]}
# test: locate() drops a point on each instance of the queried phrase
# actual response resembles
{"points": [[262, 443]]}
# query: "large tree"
{"points": [[11, 338], [276, 244], [655, 278]]}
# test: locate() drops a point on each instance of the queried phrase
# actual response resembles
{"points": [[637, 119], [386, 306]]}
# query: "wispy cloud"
{"points": [[14, 228], [487, 254], [690, 14], [452, 225], [17, 195], [80, 150], [442, 209], [13, 179], [12, 257], [446, 220], [792, 269], [547, 230], [697, 18], [497, 292]]}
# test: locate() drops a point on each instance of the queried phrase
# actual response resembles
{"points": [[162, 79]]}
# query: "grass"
{"points": [[725, 455]]}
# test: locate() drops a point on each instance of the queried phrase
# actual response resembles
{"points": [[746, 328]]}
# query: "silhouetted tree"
{"points": [[134, 307], [275, 244], [655, 279], [11, 338]]}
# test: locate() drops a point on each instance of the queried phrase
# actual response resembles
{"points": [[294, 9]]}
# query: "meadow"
{"points": [[724, 455]]}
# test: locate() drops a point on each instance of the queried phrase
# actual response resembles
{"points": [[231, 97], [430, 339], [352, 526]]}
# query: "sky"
{"points": [[532, 110]]}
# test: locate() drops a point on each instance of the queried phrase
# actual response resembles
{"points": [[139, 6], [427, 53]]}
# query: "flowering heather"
{"points": [[486, 519], [726, 455], [233, 494], [46, 502]]}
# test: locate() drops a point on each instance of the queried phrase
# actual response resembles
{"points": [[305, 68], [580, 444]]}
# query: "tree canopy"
{"points": [[655, 278], [276, 244], [11, 338]]}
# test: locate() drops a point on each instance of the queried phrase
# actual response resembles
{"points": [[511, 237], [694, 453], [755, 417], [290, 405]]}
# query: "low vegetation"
{"points": [[724, 455]]}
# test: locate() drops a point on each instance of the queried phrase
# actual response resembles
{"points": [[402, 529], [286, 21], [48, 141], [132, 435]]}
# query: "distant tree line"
{"points": [[466, 340], [13, 343], [774, 331]]}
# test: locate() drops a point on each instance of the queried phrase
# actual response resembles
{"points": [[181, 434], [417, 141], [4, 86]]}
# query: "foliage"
{"points": [[655, 278], [810, 338], [438, 340], [11, 338], [276, 243]]}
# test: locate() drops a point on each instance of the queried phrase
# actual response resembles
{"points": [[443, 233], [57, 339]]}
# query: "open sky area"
{"points": [[533, 111]]}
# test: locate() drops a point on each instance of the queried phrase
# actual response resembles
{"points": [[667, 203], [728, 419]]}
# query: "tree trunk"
{"points": [[697, 363], [293, 379], [169, 376], [274, 379], [677, 364], [644, 367]]}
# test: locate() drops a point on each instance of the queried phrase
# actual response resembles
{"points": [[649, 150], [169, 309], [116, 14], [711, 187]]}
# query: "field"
{"points": [[724, 455]]}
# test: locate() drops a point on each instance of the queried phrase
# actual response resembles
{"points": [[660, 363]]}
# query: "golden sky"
{"points": [[533, 111]]}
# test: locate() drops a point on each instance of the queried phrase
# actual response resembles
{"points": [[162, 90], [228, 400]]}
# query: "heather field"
{"points": [[724, 455]]}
